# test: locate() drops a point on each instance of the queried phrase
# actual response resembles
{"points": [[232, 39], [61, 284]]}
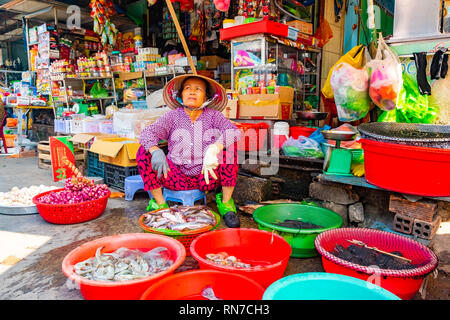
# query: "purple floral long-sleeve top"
{"points": [[187, 140]]}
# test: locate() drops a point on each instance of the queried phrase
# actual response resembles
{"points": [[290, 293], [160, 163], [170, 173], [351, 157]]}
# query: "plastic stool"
{"points": [[133, 184], [186, 197]]}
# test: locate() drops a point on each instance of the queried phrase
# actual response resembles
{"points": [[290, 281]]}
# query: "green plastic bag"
{"points": [[412, 107], [97, 91]]}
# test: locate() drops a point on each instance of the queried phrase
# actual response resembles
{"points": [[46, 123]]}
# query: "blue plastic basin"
{"points": [[325, 286]]}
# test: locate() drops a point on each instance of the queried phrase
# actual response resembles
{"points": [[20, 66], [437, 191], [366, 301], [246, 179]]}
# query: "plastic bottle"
{"points": [[262, 76]]}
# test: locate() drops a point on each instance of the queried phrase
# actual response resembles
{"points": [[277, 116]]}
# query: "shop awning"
{"points": [[12, 12]]}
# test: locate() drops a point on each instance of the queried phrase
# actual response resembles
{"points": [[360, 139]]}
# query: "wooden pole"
{"points": [[181, 35], [360, 243]]}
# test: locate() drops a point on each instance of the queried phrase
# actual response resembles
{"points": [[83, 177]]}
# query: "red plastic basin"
{"points": [[403, 283], [70, 213], [295, 132], [190, 284], [407, 169], [121, 290], [253, 246]]}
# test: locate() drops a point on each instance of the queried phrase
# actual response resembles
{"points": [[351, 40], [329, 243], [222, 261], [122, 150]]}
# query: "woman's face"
{"points": [[194, 93]]}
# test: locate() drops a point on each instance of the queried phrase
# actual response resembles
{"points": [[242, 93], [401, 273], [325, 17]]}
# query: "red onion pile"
{"points": [[76, 190]]}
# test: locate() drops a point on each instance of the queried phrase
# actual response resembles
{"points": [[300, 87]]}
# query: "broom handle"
{"points": [[180, 34], [376, 249]]}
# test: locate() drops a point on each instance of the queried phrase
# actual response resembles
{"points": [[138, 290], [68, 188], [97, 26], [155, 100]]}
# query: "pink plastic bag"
{"points": [[385, 77]]}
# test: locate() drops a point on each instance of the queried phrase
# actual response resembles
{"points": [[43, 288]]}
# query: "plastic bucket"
{"points": [[407, 169], [301, 241], [403, 283], [280, 133], [121, 290], [9, 138], [190, 284], [295, 132], [325, 286], [267, 250]]}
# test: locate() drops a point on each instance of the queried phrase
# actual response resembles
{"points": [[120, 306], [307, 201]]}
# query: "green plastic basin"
{"points": [[300, 240]]}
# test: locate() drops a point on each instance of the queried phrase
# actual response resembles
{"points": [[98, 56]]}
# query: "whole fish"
{"points": [[208, 293], [180, 218], [189, 226], [124, 264]]}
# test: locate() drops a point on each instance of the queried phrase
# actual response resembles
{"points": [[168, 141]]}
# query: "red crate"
{"points": [[254, 135], [265, 26]]}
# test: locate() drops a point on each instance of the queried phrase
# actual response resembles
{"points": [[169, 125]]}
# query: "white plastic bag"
{"points": [[385, 77], [350, 92], [155, 99], [124, 122]]}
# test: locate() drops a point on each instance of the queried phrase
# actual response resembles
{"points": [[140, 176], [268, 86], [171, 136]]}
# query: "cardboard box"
{"points": [[267, 106], [85, 140], [118, 151], [231, 111], [303, 27], [206, 73], [212, 62], [125, 76]]}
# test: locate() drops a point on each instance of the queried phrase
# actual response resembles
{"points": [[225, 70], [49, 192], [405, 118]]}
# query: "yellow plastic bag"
{"points": [[355, 58]]}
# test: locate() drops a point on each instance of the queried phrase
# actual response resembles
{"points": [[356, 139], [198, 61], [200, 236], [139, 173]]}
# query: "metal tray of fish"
{"points": [[413, 134], [18, 210]]}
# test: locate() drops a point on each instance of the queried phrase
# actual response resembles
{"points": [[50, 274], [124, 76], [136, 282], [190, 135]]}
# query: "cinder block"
{"points": [[403, 224], [422, 209], [426, 230], [332, 193]]}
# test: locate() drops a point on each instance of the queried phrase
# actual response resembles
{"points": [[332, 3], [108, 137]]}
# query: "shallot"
{"points": [[76, 190]]}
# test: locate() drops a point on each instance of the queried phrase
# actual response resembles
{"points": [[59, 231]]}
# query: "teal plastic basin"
{"points": [[325, 286], [301, 240]]}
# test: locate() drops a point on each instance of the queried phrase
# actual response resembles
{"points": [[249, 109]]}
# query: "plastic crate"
{"points": [[95, 168], [106, 126], [252, 139], [266, 26], [115, 175]]}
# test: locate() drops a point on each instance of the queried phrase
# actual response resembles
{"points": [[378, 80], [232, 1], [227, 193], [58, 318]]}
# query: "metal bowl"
{"points": [[307, 115], [338, 135]]}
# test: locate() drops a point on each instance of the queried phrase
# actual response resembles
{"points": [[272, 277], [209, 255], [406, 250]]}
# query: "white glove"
{"points": [[210, 161]]}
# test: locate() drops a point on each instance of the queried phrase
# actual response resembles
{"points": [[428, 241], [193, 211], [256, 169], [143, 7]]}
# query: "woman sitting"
{"points": [[201, 142]]}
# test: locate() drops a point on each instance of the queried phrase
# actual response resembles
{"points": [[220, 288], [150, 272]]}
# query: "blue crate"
{"points": [[95, 168]]}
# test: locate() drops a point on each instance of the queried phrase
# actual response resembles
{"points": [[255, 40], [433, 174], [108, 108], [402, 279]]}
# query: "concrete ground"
{"points": [[32, 250]]}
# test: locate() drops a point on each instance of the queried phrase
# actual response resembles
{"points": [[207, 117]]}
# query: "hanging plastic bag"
{"points": [[413, 107], [350, 92], [439, 100], [302, 147], [355, 57], [385, 77], [323, 33]]}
